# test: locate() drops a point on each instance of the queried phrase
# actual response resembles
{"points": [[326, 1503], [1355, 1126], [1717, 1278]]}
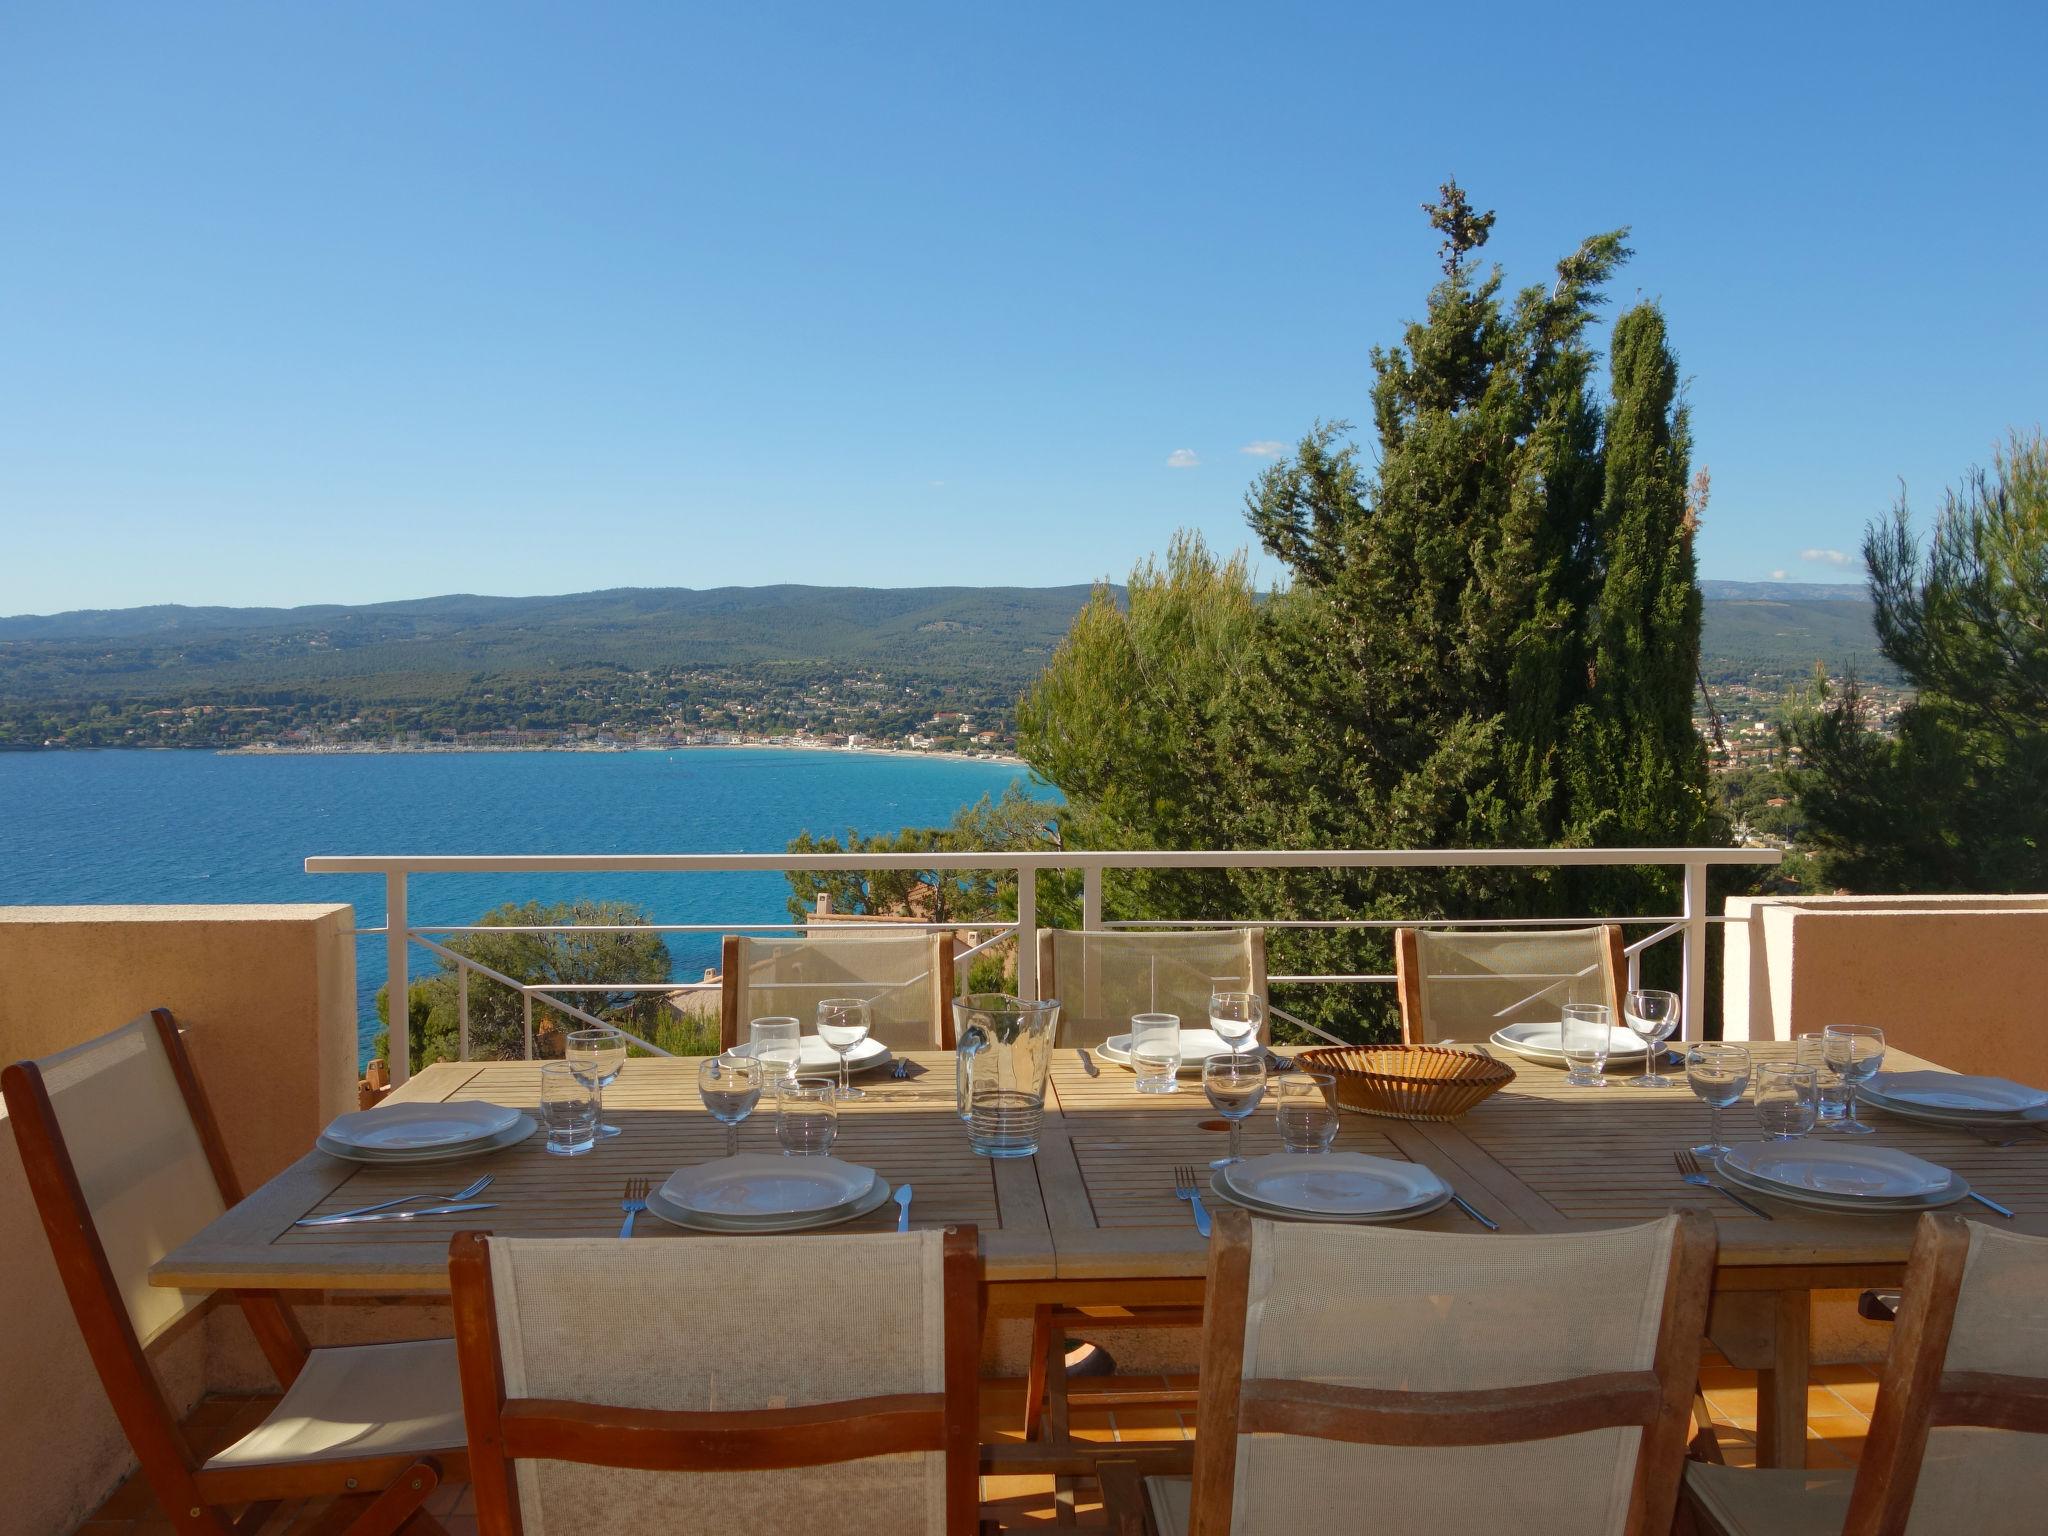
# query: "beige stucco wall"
{"points": [[266, 995]]}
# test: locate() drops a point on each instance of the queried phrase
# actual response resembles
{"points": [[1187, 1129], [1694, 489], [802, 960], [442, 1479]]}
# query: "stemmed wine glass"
{"points": [[730, 1087], [1235, 1082], [1855, 1051], [1652, 1018], [598, 1056], [843, 1022], [1235, 1017], [1717, 1072]]}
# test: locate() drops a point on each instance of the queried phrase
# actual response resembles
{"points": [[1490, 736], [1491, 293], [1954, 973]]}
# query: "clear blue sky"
{"points": [[348, 302]]}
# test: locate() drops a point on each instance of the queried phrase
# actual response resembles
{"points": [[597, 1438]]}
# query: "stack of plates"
{"points": [[819, 1059], [1196, 1047], [1951, 1098], [1841, 1175], [424, 1133], [1330, 1186], [1543, 1042], [760, 1193]]}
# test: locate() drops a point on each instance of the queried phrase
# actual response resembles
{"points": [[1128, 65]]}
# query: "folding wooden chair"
{"points": [[907, 979], [1102, 978], [1411, 1382], [757, 1384], [125, 1162], [1463, 984]]}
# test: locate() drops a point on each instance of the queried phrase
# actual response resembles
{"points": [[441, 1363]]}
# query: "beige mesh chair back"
{"points": [[685, 1401], [1463, 984], [907, 978], [1959, 1438], [1101, 979], [1424, 1384]]}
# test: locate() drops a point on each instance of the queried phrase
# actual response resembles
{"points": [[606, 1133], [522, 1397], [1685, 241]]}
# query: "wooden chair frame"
{"points": [[194, 1498], [732, 988], [503, 1430], [1408, 977]]}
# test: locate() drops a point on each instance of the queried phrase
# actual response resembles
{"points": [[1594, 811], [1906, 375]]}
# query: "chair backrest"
{"points": [[759, 1384], [1463, 984], [1101, 979], [1426, 1382], [906, 977], [1956, 1441]]}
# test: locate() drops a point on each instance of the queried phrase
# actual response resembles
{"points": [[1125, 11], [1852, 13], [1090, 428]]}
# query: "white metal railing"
{"points": [[399, 932]]}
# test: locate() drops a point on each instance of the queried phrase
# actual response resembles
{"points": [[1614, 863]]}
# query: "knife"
{"points": [[1088, 1063], [1991, 1205], [431, 1210]]}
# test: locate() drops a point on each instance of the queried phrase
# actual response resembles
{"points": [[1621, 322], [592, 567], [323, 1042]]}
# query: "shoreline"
{"points": [[385, 749]]}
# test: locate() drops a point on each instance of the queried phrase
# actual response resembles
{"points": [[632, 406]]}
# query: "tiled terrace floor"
{"points": [[1838, 1406]]}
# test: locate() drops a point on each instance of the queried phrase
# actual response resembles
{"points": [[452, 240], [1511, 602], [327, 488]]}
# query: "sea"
{"points": [[182, 827]]}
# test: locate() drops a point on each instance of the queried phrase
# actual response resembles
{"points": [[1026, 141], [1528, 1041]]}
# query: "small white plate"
{"points": [[1223, 1192], [1838, 1169], [819, 1059], [415, 1127], [522, 1126], [1957, 1188], [1332, 1183], [1955, 1092], [1196, 1047], [756, 1184], [658, 1205], [1541, 1040]]}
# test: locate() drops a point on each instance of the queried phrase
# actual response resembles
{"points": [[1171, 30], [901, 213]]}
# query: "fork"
{"points": [[1993, 1137], [1185, 1188], [455, 1199], [633, 1204], [1689, 1170]]}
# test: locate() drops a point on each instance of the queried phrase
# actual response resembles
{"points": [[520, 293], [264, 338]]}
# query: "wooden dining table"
{"points": [[1093, 1219]]}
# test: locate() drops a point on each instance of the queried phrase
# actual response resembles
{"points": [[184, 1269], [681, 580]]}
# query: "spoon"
{"points": [[902, 1207]]}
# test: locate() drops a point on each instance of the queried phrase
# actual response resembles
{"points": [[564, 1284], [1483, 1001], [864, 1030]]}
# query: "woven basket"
{"points": [[1408, 1082]]}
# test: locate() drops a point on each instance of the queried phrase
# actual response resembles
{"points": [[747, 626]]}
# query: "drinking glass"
{"points": [[600, 1055], [1717, 1073], [1585, 1035], [730, 1087], [1305, 1106], [568, 1108], [843, 1022], [777, 1041], [1236, 1017], [806, 1115], [1155, 1052], [1652, 1017], [1787, 1099], [1235, 1083], [1856, 1051], [1832, 1088]]}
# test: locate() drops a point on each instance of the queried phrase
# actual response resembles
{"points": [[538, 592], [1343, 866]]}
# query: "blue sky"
{"points": [[307, 303]]}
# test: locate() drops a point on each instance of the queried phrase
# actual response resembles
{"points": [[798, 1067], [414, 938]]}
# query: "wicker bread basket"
{"points": [[1408, 1082]]}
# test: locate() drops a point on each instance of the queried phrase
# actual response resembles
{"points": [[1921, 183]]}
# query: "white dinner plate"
{"points": [[818, 1059], [522, 1126], [1540, 1040], [1842, 1169], [1223, 1192], [1955, 1092], [697, 1221], [414, 1127], [756, 1184], [1948, 1117], [1332, 1183], [1196, 1047], [1957, 1188]]}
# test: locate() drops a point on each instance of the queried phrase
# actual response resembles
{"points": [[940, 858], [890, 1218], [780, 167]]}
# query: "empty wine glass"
{"points": [[1234, 1082], [1236, 1018], [600, 1056], [843, 1022], [1652, 1017], [1856, 1051], [1717, 1072], [1787, 1099], [777, 1041], [730, 1087]]}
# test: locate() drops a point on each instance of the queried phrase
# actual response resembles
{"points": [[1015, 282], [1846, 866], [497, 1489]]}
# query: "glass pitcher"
{"points": [[1005, 1052]]}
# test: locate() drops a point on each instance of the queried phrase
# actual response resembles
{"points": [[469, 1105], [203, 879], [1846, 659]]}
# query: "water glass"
{"points": [[843, 1022], [777, 1042], [1787, 1099], [568, 1108], [1830, 1087], [1856, 1051], [730, 1087], [1652, 1017], [600, 1055], [1155, 1051], [1305, 1107], [1586, 1034], [806, 1116], [1718, 1073], [1237, 1017], [1235, 1083]]}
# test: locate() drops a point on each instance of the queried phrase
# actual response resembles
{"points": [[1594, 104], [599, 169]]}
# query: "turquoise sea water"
{"points": [[171, 827]]}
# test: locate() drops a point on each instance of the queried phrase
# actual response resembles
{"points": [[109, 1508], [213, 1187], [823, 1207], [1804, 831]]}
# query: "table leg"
{"points": [[1781, 1390]]}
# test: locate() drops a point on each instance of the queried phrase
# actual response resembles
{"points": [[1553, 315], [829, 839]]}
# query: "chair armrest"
{"points": [[1123, 1498]]}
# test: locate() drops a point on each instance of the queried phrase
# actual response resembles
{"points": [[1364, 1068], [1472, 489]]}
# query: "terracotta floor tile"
{"points": [[1858, 1391]]}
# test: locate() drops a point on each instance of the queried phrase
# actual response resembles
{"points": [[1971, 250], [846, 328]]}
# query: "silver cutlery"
{"points": [[1278, 1063], [1689, 1170], [428, 1210], [902, 1207], [1996, 1136], [1473, 1211], [901, 1070], [1087, 1062], [633, 1202], [384, 1205], [1991, 1205], [1185, 1188]]}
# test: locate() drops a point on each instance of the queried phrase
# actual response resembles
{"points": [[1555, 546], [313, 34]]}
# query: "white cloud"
{"points": [[1778, 575], [1824, 556], [1183, 458], [1264, 448]]}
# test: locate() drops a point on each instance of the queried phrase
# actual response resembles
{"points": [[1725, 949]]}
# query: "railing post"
{"points": [[1693, 984], [526, 998], [1091, 898], [398, 988], [1027, 933], [462, 1011]]}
